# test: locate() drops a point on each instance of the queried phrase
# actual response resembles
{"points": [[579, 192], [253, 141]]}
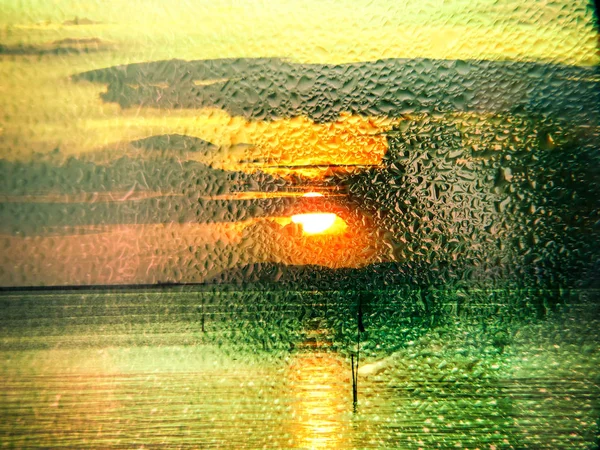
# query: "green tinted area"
{"points": [[178, 367]]}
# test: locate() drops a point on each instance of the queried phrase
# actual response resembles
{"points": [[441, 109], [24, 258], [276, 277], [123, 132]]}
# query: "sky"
{"points": [[53, 110]]}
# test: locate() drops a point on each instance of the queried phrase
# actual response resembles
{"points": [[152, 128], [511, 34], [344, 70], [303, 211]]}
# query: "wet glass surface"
{"points": [[340, 225], [106, 369]]}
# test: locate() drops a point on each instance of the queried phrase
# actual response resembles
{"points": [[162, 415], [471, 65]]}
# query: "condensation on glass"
{"points": [[300, 225]]}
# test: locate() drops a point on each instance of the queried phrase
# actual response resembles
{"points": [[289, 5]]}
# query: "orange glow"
{"points": [[314, 223], [347, 243], [351, 139], [118, 254], [319, 383], [293, 145]]}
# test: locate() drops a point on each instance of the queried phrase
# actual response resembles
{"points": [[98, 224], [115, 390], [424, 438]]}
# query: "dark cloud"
{"points": [[60, 47], [271, 88], [80, 21], [505, 198], [187, 191]]}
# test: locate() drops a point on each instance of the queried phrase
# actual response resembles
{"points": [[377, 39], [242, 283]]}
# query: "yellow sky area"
{"points": [[296, 141], [44, 110], [290, 142], [331, 31], [300, 141]]}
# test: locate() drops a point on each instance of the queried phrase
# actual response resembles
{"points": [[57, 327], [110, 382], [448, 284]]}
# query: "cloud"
{"points": [[271, 88], [80, 21], [61, 47]]}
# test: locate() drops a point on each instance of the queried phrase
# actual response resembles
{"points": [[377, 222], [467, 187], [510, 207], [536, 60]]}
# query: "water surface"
{"points": [[75, 374]]}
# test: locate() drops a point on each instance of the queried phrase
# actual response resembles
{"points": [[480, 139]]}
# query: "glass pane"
{"points": [[300, 224]]}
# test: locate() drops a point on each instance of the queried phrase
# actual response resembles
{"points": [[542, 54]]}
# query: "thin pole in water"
{"points": [[360, 328], [202, 318], [354, 387]]}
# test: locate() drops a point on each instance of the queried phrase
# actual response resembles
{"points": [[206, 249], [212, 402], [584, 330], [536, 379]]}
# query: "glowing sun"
{"points": [[315, 223]]}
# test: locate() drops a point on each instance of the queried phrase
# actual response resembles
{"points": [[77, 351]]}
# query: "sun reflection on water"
{"points": [[320, 401]]}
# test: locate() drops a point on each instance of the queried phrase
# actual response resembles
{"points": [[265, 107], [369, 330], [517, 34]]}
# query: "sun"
{"points": [[315, 223], [319, 222]]}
